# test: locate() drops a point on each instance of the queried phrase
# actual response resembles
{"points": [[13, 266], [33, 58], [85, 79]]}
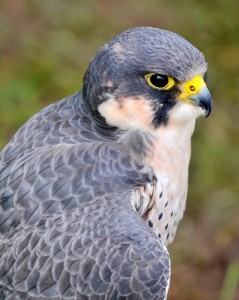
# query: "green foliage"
{"points": [[231, 282], [45, 49]]}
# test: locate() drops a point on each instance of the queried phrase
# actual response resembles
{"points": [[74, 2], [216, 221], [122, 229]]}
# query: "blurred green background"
{"points": [[45, 48]]}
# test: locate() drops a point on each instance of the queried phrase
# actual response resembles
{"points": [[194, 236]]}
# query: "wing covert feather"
{"points": [[70, 230]]}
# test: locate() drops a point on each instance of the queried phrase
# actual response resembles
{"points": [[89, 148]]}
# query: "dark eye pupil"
{"points": [[159, 80]]}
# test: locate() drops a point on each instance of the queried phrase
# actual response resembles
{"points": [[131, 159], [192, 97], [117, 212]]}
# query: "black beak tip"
{"points": [[208, 112], [206, 105], [205, 101]]}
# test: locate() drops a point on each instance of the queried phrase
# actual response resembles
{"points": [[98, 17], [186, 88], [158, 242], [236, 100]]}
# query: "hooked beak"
{"points": [[196, 92]]}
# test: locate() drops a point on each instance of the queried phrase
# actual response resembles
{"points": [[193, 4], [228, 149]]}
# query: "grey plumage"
{"points": [[69, 227]]}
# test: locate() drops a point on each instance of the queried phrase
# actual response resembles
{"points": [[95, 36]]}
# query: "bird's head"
{"points": [[145, 77]]}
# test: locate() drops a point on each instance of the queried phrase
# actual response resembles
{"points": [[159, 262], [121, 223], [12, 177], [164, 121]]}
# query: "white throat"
{"points": [[162, 205]]}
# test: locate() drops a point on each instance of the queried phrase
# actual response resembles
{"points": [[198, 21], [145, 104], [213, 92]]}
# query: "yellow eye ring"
{"points": [[159, 82]]}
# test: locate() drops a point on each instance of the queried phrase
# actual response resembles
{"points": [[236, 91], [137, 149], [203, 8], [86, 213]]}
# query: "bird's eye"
{"points": [[160, 82]]}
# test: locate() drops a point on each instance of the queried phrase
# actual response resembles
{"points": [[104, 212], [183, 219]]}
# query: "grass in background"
{"points": [[45, 49]]}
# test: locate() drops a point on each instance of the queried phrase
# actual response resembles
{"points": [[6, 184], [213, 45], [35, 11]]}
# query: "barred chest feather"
{"points": [[162, 203]]}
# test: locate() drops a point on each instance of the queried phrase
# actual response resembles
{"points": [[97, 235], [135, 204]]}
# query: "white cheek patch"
{"points": [[128, 113], [136, 113], [183, 113]]}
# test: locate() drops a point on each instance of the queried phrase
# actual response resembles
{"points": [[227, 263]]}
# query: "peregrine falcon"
{"points": [[92, 187]]}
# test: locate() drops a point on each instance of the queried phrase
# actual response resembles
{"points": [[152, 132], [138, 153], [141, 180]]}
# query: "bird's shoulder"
{"points": [[63, 122]]}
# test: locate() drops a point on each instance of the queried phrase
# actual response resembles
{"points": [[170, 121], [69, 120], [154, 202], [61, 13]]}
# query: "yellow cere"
{"points": [[191, 87]]}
